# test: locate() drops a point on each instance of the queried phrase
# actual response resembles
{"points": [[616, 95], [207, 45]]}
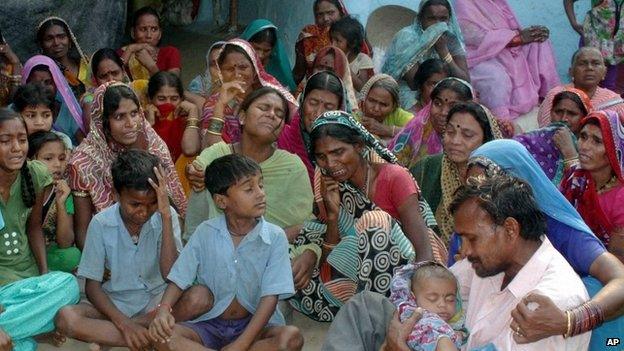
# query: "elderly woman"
{"points": [[587, 71], [571, 236], [289, 195], [468, 126], [367, 222], [435, 34], [380, 110]]}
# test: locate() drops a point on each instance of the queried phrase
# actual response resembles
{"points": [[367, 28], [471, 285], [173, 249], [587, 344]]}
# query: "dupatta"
{"points": [[279, 65], [203, 84], [90, 165], [579, 186], [70, 116]]}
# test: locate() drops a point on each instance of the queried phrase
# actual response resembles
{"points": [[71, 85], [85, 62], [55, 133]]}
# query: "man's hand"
{"points": [[397, 334], [533, 324]]}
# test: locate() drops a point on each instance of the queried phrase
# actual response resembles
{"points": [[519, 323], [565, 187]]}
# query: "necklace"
{"points": [[236, 234], [608, 185]]}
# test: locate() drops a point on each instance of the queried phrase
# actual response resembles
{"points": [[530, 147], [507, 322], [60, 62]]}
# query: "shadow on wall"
{"points": [[96, 24]]}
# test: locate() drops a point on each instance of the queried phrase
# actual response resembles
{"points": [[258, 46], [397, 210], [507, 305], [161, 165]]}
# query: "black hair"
{"points": [[427, 69], [32, 94], [72, 52], [478, 113], [40, 68], [112, 98], [132, 169], [146, 10], [462, 90], [325, 80], [339, 132], [333, 2], [268, 35], [231, 48], [161, 79], [40, 138], [429, 3], [568, 95], [352, 30], [27, 185], [228, 170], [429, 270], [502, 197], [105, 54], [258, 93]]}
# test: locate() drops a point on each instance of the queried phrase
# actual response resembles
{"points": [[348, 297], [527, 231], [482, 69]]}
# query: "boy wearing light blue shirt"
{"points": [[244, 262]]}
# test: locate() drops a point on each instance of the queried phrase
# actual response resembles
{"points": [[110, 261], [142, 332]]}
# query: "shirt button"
{"points": [[235, 261]]}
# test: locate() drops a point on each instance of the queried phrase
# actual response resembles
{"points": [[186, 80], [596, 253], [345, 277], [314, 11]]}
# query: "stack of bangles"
{"points": [[328, 246], [582, 319], [569, 162], [15, 79], [192, 123], [448, 58], [216, 126]]}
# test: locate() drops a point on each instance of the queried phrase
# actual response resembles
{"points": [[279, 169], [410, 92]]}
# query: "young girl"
{"points": [[432, 287], [58, 206], [348, 35], [30, 295]]}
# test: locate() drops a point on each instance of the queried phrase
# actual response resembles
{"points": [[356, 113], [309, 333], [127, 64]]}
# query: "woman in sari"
{"points": [[434, 34], [468, 126], [117, 123], [429, 74], [208, 83], [57, 41], [422, 135], [587, 71], [267, 42], [511, 68], [323, 92], [569, 234], [240, 73], [145, 57], [41, 69], [380, 109], [596, 187], [367, 222], [289, 193], [554, 146], [315, 37]]}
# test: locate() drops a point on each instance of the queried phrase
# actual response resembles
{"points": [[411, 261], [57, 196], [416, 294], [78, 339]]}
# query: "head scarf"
{"points": [[408, 143], [377, 78], [341, 68], [580, 187], [231, 130], [62, 88], [587, 104], [279, 65], [202, 84], [90, 165], [412, 46], [72, 37], [513, 158], [450, 181]]}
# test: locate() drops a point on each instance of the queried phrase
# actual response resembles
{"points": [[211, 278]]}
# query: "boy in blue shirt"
{"points": [[244, 262], [137, 239]]}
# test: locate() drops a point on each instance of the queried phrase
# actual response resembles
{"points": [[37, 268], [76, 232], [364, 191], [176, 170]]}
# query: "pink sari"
{"points": [[509, 80]]}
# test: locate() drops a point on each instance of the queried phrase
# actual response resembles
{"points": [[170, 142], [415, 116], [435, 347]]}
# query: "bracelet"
{"points": [[328, 246], [516, 41], [586, 317], [213, 132], [568, 331], [192, 127], [192, 122], [448, 58], [567, 163]]}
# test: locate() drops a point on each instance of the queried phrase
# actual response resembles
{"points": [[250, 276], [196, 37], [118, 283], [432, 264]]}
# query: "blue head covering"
{"points": [[202, 83], [513, 158], [279, 65], [413, 45]]}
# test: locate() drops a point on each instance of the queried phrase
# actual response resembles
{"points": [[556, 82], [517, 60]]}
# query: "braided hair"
{"points": [[28, 187]]}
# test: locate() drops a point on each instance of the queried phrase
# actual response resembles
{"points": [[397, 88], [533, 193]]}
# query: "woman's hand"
{"points": [[146, 58], [534, 34], [441, 46], [563, 141], [331, 196], [230, 90], [537, 323], [9, 55], [161, 192], [187, 109], [62, 191], [195, 175], [152, 114], [302, 268], [376, 128]]}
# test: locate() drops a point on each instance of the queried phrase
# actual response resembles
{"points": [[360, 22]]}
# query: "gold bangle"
{"points": [[328, 246], [567, 333], [448, 58], [192, 127], [213, 132]]}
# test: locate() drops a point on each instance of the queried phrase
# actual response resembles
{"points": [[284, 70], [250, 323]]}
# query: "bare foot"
{"points": [[54, 338]]}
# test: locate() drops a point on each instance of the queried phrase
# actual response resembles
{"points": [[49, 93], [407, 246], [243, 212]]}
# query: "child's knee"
{"points": [[66, 319], [290, 339], [199, 298]]}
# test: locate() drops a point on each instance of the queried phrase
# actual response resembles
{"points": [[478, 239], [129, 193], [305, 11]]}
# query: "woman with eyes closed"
{"points": [[240, 73], [369, 219], [118, 123], [324, 91], [289, 200], [381, 112], [468, 126]]}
